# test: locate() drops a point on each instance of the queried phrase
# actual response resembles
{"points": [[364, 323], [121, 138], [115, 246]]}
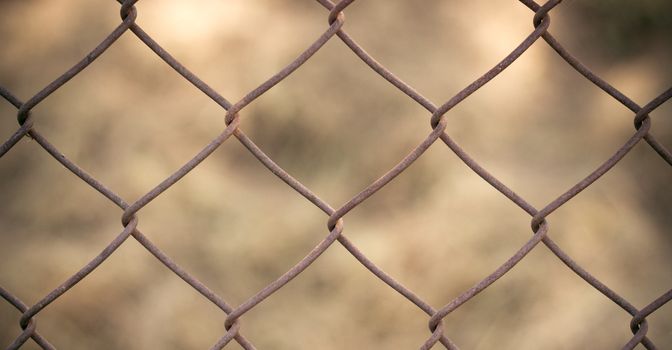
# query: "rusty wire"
{"points": [[541, 21]]}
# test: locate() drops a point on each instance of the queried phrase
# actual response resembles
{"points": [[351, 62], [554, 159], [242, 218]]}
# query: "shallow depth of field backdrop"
{"points": [[335, 125]]}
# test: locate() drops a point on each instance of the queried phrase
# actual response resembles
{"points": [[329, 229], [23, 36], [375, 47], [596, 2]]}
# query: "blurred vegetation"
{"points": [[336, 126], [626, 28]]}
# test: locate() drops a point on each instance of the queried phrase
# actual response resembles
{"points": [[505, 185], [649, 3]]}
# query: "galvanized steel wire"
{"points": [[233, 329]]}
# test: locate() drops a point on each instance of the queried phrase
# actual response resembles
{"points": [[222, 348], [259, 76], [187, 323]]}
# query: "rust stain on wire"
{"points": [[233, 328]]}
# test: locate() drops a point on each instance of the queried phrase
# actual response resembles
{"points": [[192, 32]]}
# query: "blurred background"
{"points": [[540, 127]]}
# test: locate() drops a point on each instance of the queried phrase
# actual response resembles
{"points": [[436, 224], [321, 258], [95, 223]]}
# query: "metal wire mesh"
{"points": [[336, 215]]}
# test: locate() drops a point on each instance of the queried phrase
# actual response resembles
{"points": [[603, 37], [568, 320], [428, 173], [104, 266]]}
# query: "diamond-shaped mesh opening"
{"points": [[540, 155]]}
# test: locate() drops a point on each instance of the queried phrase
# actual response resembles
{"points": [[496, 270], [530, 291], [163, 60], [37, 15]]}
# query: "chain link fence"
{"points": [[234, 328]]}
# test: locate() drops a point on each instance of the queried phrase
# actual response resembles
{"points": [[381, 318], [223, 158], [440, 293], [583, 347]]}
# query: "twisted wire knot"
{"points": [[336, 13], [542, 14]]}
